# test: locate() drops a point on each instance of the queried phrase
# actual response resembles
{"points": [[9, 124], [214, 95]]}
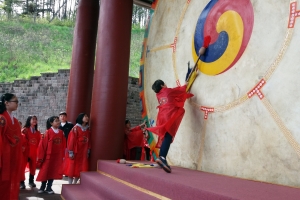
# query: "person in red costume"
{"points": [[134, 141], [10, 149], [51, 152], [24, 157], [33, 137], [79, 148], [171, 111]]}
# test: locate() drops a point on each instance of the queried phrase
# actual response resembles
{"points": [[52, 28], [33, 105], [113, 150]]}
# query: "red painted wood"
{"points": [[109, 99], [83, 59]]}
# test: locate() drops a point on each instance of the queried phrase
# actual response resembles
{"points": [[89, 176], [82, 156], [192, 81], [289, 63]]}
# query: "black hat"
{"points": [[63, 113]]}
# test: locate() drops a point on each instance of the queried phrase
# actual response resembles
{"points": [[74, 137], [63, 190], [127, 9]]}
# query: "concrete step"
{"points": [[97, 186]]}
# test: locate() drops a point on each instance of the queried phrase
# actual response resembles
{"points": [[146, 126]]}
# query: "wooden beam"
{"points": [[142, 3]]}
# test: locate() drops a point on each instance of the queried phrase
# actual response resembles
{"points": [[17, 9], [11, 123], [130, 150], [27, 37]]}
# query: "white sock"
{"points": [[75, 180]]}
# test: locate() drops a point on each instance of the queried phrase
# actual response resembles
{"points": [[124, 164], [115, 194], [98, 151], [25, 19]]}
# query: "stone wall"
{"points": [[45, 96]]}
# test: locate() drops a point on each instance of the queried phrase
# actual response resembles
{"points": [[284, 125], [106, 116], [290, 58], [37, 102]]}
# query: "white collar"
{"points": [[11, 117], [55, 130], [84, 128], [32, 129]]}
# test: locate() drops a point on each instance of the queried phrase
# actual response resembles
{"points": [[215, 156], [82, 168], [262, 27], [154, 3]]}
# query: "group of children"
{"points": [[63, 149], [62, 152], [57, 153]]}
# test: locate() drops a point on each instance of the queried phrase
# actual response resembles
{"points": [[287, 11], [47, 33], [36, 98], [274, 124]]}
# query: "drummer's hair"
{"points": [[157, 85]]}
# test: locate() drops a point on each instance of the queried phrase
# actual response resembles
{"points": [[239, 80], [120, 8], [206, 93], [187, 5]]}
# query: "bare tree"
{"points": [[58, 11], [139, 15]]}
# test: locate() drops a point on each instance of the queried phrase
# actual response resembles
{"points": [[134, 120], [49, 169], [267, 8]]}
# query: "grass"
{"points": [[28, 49]]}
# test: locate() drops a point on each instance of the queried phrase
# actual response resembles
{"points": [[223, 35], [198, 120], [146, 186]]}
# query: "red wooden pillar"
{"points": [[83, 59], [110, 86]]}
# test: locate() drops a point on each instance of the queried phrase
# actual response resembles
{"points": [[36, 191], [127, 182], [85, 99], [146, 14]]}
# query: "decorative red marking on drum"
{"points": [[189, 1], [293, 14], [173, 45], [206, 111], [257, 90], [178, 83]]}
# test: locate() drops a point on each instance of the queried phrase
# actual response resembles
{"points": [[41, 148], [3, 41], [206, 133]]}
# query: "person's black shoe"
{"points": [[42, 188], [49, 191], [22, 186], [162, 162], [40, 191], [31, 181]]}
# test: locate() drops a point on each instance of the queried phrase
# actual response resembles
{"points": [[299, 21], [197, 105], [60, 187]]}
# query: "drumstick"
{"points": [[206, 42]]}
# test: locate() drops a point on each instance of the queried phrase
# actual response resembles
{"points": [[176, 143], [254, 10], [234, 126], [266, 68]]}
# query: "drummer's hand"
{"points": [[143, 125]]}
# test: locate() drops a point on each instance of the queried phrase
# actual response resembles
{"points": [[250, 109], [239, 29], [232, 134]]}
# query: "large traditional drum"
{"points": [[244, 119]]}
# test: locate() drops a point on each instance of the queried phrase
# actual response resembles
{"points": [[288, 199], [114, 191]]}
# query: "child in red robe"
{"points": [[134, 141], [33, 137], [51, 152], [79, 148], [171, 111], [10, 149]]}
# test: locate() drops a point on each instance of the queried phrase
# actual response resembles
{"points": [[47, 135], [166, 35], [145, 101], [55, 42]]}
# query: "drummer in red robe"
{"points": [[33, 136], [10, 149], [171, 111], [134, 141], [51, 152], [79, 148]]}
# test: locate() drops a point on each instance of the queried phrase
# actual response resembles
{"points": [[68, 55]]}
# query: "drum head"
{"points": [[244, 118]]}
